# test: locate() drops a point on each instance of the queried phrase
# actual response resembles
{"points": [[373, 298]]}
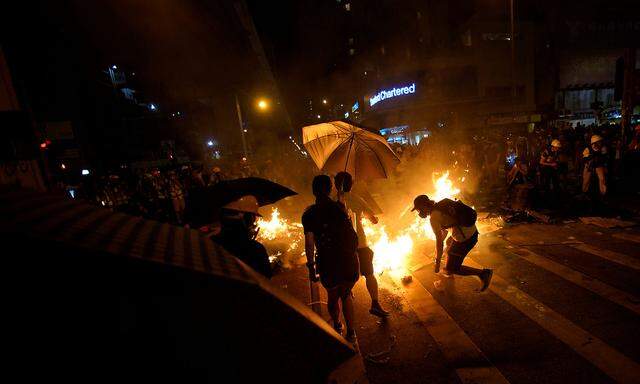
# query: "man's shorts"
{"points": [[365, 256], [457, 251]]}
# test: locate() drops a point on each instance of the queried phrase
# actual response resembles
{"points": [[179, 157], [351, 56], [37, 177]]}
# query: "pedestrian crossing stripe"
{"points": [[616, 257], [454, 343], [607, 359], [601, 289]]}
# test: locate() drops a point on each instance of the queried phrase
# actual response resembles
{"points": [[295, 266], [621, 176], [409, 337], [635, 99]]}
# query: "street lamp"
{"points": [[263, 105], [324, 101]]}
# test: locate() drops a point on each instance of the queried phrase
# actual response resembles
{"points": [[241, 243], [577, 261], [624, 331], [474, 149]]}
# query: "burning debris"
{"points": [[281, 237]]}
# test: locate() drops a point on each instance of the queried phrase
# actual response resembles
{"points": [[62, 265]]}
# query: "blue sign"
{"points": [[355, 107], [393, 92]]}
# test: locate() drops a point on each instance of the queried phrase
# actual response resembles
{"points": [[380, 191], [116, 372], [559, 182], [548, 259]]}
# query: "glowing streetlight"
{"points": [[324, 101], [263, 104]]}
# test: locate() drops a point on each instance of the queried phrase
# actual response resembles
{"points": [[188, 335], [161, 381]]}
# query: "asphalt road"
{"points": [[564, 306]]}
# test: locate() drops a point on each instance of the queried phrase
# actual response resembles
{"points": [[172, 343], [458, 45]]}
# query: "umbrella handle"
{"points": [[353, 136]]}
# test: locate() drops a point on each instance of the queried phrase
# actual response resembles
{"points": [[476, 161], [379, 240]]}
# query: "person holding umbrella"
{"points": [[237, 202], [358, 209], [238, 231], [330, 245]]}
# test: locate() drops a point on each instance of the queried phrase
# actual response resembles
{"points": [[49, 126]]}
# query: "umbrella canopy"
{"points": [[341, 146], [84, 263], [266, 191]]}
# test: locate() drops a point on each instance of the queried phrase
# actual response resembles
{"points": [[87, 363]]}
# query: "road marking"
{"points": [[607, 359], [454, 343], [627, 236], [616, 257], [601, 289]]}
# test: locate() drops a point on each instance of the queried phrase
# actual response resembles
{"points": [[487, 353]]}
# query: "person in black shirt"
{"points": [[238, 231], [597, 166], [330, 245]]}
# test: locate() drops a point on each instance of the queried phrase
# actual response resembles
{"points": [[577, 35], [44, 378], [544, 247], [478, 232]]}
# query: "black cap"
{"points": [[421, 201]]}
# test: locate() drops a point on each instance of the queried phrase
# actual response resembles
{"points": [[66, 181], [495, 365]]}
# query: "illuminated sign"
{"points": [[355, 107], [393, 92]]}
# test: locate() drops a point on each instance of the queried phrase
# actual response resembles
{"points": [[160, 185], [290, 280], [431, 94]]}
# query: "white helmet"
{"points": [[248, 204], [595, 139], [556, 143]]}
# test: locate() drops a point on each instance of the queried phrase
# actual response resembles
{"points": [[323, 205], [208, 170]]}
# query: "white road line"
{"points": [[613, 363], [454, 343], [616, 257], [601, 289], [627, 236]]}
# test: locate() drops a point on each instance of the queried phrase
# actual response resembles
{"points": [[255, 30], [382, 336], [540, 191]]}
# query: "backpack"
{"points": [[338, 235], [462, 214]]}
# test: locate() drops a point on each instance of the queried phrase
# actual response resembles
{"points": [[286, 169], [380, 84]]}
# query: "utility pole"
{"points": [[628, 92], [512, 40], [244, 141]]}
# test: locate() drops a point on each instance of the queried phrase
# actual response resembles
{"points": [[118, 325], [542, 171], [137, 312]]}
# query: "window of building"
{"points": [[466, 38], [605, 96], [497, 36], [580, 99], [503, 91]]}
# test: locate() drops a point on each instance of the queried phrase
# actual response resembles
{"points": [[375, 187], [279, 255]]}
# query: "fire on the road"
{"points": [[276, 228], [391, 249], [392, 252]]}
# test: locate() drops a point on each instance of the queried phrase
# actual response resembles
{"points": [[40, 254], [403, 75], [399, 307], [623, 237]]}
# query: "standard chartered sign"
{"points": [[393, 92]]}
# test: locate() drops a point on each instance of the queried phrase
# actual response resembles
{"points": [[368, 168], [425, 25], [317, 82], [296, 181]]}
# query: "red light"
{"points": [[43, 145]]}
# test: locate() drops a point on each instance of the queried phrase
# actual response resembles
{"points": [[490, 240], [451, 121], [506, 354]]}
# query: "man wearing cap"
{"points": [[238, 231], [597, 164], [458, 220], [550, 167]]}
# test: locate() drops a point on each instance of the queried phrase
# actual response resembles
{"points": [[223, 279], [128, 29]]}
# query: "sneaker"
{"points": [[377, 310], [486, 276], [338, 327]]}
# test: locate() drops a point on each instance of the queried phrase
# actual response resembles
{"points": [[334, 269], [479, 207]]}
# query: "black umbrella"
{"points": [[266, 191]]}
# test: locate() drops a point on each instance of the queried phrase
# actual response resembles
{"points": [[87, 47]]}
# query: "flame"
{"points": [[444, 187], [277, 228], [391, 253]]}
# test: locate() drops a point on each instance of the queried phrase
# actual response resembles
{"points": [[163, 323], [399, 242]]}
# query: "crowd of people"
{"points": [[587, 162]]}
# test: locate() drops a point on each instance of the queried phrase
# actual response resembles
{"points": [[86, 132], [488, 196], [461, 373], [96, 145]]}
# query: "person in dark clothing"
{"points": [[238, 231], [550, 167], [358, 209], [330, 245]]}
